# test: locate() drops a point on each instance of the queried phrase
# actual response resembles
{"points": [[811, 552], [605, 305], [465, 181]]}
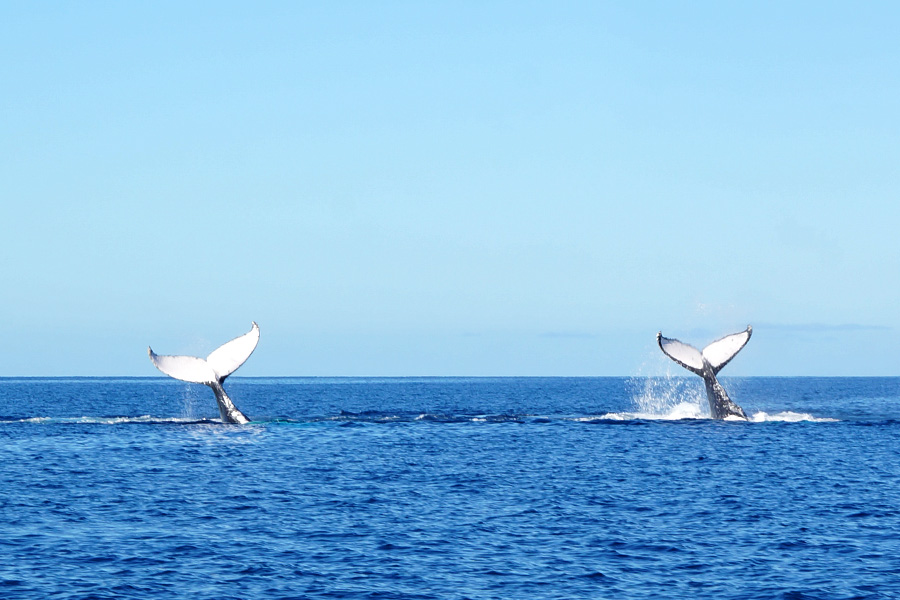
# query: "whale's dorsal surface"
{"points": [[707, 365], [212, 371]]}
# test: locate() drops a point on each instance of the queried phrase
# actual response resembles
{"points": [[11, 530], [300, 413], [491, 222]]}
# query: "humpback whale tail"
{"points": [[212, 371], [707, 365]]}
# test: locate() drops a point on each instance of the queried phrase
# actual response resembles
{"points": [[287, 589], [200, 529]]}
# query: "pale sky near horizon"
{"points": [[466, 188]]}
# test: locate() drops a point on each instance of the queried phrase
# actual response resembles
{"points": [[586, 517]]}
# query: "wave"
{"points": [[789, 417], [679, 412]]}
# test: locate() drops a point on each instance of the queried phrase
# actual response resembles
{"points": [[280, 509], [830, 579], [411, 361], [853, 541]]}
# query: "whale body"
{"points": [[212, 371], [707, 365]]}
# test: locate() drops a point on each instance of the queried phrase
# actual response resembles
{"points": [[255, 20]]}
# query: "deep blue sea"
{"points": [[451, 488]]}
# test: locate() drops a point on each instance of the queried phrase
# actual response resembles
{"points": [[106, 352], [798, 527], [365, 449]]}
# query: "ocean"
{"points": [[449, 488]]}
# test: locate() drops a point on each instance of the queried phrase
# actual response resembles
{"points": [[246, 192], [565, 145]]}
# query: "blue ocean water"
{"points": [[449, 489]]}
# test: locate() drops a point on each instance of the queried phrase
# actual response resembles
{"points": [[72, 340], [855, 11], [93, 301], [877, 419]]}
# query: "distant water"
{"points": [[505, 488]]}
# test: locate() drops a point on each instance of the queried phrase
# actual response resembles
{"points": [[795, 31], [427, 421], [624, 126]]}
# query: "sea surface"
{"points": [[449, 488]]}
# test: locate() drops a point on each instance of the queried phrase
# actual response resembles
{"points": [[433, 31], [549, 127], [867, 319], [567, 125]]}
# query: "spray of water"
{"points": [[189, 402], [672, 398], [663, 396]]}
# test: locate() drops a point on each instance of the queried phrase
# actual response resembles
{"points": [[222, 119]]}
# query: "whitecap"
{"points": [[789, 417], [678, 412]]}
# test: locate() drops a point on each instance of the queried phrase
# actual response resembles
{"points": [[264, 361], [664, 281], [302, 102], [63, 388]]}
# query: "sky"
{"points": [[449, 189]]}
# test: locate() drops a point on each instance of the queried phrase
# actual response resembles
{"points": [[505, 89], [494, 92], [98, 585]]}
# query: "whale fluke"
{"points": [[707, 365], [212, 371], [720, 352]]}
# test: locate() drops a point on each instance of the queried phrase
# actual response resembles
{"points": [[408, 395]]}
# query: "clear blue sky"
{"points": [[466, 188]]}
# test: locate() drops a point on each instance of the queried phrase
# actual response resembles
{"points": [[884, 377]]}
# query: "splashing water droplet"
{"points": [[668, 397]]}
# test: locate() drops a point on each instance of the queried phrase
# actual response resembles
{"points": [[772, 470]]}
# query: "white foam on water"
{"points": [[689, 410], [789, 417], [140, 419], [682, 410]]}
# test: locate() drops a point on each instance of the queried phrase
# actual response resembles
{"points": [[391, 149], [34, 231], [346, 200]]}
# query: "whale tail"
{"points": [[717, 354], [707, 364], [212, 371], [222, 362]]}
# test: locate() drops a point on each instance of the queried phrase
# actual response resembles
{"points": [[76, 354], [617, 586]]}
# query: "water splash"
{"points": [[667, 397], [675, 398], [189, 402], [664, 398]]}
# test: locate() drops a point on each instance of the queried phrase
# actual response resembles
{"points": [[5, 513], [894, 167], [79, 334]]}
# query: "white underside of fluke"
{"points": [[684, 354], [221, 363], [720, 352], [717, 354]]}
